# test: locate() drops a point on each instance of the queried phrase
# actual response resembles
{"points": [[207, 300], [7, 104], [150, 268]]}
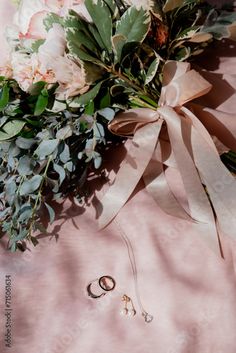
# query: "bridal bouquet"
{"points": [[73, 66]]}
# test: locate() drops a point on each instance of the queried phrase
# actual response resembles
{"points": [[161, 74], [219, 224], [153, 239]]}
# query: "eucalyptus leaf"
{"points": [[24, 143], [10, 190], [97, 160], [61, 172], [25, 213], [98, 131], [21, 235], [31, 185], [24, 167], [3, 120], [46, 148], [220, 25], [64, 132], [107, 113], [70, 166], [51, 212], [65, 154], [11, 129], [4, 213]]}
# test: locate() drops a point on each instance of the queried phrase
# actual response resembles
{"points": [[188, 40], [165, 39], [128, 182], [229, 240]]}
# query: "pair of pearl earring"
{"points": [[128, 309]]}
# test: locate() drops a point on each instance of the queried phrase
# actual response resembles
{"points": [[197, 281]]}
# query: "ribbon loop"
{"points": [[191, 150], [127, 123]]}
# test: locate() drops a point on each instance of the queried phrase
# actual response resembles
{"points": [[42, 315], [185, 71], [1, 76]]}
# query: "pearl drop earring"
{"points": [[128, 302]]}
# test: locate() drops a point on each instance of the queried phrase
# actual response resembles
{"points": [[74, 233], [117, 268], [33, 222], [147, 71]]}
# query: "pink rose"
{"points": [[51, 65], [31, 13], [27, 70], [71, 78]]}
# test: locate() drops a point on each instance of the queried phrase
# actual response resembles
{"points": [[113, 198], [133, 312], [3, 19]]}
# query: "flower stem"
{"points": [[39, 195]]}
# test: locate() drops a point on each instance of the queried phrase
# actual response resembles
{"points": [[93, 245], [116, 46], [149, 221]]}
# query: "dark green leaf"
{"points": [[101, 16], [4, 97], [36, 88], [41, 104], [89, 109], [96, 35], [77, 34], [89, 96], [105, 100]]}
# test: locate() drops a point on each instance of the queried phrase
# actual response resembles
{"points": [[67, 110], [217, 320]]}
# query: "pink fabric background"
{"points": [[190, 291]]}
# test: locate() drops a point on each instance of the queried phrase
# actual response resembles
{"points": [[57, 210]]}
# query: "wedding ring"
{"points": [[91, 294], [106, 283]]}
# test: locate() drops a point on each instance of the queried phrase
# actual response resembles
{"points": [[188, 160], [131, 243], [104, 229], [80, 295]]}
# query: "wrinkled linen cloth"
{"points": [[190, 291]]}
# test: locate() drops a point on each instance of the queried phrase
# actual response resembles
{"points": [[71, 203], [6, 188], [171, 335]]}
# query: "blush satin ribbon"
{"points": [[173, 137]]}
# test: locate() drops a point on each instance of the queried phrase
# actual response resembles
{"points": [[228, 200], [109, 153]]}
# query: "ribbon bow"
{"points": [[174, 137]]}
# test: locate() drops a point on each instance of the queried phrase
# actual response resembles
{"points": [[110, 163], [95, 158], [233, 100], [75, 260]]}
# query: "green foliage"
{"points": [[133, 26], [10, 129], [218, 26], [4, 96], [41, 103], [89, 96], [51, 19], [101, 16], [48, 148]]}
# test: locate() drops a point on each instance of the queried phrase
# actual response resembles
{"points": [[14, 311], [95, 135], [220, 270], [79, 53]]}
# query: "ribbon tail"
{"points": [[199, 204], [220, 184], [130, 172], [158, 187], [219, 124]]}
